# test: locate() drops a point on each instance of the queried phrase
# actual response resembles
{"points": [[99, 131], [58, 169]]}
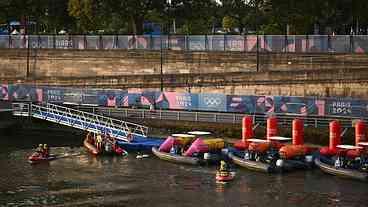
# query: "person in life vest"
{"points": [[39, 149], [99, 142], [223, 166], [129, 136], [45, 150]]}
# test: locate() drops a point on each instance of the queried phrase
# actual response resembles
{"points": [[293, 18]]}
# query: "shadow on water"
{"points": [[84, 180]]}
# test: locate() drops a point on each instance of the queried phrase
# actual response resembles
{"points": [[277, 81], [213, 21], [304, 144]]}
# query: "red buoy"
{"points": [[271, 127], [335, 134], [298, 132], [360, 132], [247, 128]]}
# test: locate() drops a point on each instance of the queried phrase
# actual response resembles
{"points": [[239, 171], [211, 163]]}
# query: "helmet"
{"points": [[223, 162], [44, 145], [40, 145]]}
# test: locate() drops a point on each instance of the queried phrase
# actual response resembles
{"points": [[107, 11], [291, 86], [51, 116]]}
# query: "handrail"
{"points": [[313, 121], [81, 120]]}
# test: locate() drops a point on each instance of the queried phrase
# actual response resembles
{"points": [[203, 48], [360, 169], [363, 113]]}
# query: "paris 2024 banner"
{"points": [[288, 105]]}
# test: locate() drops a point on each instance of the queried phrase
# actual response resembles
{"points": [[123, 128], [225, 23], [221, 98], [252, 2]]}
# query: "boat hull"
{"points": [[176, 158], [225, 178], [249, 164], [347, 173], [39, 159]]}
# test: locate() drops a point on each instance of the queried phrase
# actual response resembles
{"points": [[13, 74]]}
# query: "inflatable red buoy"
{"points": [[335, 135], [271, 127], [298, 132], [247, 128], [360, 133]]}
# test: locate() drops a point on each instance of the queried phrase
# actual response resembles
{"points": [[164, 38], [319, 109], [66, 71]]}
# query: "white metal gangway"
{"points": [[81, 120]]}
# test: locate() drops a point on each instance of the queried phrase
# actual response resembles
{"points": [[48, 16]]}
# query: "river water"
{"points": [[80, 179]]}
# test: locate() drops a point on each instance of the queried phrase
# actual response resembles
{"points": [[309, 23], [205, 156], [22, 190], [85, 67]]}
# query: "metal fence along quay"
{"points": [[212, 117], [241, 43]]}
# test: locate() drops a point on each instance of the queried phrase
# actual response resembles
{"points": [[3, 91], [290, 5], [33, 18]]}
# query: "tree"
{"points": [[228, 23], [83, 12]]}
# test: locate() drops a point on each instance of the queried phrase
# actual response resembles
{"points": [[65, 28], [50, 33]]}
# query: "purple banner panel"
{"points": [[53, 94], [265, 104], [234, 43], [177, 42], [211, 102], [173, 100], [299, 105], [197, 42], [90, 97], [360, 43], [346, 107], [111, 97], [318, 43], [143, 42], [4, 41], [251, 43], [216, 42], [241, 104], [66, 42], [4, 95], [25, 93], [73, 96], [109, 42]]}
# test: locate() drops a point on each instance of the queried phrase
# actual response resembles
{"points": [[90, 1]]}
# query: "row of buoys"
{"points": [[298, 132]]}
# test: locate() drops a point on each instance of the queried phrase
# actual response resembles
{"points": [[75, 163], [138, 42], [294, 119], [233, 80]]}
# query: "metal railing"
{"points": [[242, 43], [80, 120], [231, 118]]}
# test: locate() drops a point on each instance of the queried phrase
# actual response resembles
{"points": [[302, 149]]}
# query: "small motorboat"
{"points": [[37, 157], [175, 157], [224, 176]]}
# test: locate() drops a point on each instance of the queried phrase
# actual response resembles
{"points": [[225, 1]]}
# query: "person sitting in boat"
{"points": [[39, 149], [129, 136], [172, 150], [45, 150], [223, 166], [99, 142]]}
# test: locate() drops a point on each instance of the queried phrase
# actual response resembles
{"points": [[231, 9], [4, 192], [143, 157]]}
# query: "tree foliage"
{"points": [[190, 16]]}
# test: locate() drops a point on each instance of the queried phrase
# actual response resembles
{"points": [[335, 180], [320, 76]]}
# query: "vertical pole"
{"points": [[257, 56], [161, 59], [28, 50]]}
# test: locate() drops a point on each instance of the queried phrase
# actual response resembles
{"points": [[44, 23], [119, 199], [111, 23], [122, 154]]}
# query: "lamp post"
{"points": [[161, 60], [28, 49], [256, 14]]}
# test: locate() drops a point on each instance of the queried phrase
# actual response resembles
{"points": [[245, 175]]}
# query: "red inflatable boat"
{"points": [[38, 158], [224, 176]]}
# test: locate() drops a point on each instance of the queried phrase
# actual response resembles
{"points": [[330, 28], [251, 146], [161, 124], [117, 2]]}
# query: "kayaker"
{"points": [[39, 149], [45, 150], [99, 142], [224, 167]]}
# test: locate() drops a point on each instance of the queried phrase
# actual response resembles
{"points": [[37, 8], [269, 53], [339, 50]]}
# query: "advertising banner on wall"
{"points": [[20, 92], [241, 104], [211, 102], [234, 43], [90, 97], [265, 104], [299, 105], [111, 97], [346, 107], [53, 94], [174, 100], [73, 96]]}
